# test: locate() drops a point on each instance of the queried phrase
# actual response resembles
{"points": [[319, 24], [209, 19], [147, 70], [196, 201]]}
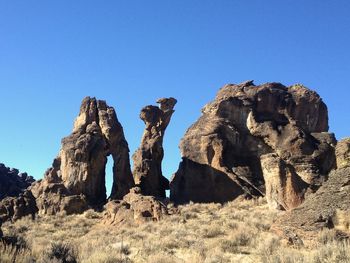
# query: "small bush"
{"points": [[327, 236], [229, 246], [212, 232], [61, 252]]}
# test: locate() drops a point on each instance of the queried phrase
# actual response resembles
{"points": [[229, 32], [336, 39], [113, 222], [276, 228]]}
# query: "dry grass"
{"points": [[200, 233]]}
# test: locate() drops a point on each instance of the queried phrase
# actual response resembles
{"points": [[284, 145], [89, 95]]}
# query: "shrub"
{"points": [[62, 252]]}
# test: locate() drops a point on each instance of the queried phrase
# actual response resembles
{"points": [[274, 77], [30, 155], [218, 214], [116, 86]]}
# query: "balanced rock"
{"points": [[76, 179], [252, 140], [148, 157], [13, 183], [134, 207]]}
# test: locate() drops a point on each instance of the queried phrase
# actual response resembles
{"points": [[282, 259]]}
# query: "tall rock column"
{"points": [[148, 157]]}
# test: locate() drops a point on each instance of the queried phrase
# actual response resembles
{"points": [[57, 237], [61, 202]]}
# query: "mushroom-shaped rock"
{"points": [[148, 157]]}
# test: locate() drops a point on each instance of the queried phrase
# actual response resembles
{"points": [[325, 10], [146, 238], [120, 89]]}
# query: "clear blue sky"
{"points": [[54, 53]]}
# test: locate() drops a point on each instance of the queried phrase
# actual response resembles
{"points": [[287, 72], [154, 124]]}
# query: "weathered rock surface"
{"points": [[1, 234], [52, 196], [148, 158], [14, 208], [343, 153], [135, 207], [15, 200], [320, 210], [256, 140], [13, 183], [76, 179]]}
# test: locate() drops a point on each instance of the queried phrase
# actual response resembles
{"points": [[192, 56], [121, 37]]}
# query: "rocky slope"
{"points": [[251, 141]]}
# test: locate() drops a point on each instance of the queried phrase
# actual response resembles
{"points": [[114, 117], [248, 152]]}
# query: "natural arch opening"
{"points": [[109, 175]]}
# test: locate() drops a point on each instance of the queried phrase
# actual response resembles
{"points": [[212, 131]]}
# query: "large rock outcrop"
{"points": [[148, 157], [12, 182], [252, 140], [76, 179], [324, 209]]}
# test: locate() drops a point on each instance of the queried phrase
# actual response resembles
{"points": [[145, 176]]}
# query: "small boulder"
{"points": [[134, 207]]}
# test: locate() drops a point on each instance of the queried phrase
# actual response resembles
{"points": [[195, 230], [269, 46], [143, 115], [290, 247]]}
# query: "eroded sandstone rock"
{"points": [[14, 208], [15, 200], [134, 207], [148, 157], [1, 234], [76, 179], [343, 153], [322, 210], [12, 182], [250, 135]]}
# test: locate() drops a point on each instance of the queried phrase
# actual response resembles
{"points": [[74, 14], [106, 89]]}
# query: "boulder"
{"points": [[253, 141], [148, 157], [12, 182], [136, 208]]}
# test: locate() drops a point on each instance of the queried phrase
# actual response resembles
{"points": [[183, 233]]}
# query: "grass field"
{"points": [[235, 232]]}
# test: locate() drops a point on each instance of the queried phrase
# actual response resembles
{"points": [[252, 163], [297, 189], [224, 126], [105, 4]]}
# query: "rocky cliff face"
{"points": [[252, 140], [12, 182], [323, 209], [77, 177], [148, 157]]}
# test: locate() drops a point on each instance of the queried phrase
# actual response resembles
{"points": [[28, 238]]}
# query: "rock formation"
{"points": [[1, 234], [13, 183], [135, 207], [256, 140], [343, 153], [148, 158], [323, 209], [77, 177], [15, 200], [14, 208]]}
